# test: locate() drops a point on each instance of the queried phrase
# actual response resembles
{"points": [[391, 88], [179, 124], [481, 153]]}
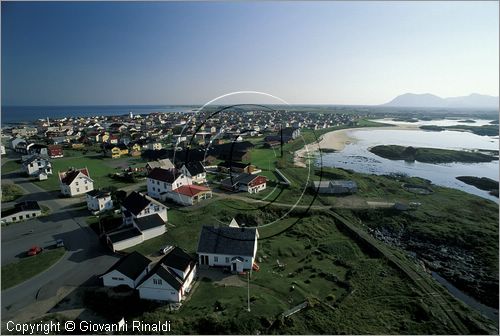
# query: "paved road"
{"points": [[84, 259]]}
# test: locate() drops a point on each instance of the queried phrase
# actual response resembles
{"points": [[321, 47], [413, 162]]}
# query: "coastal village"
{"points": [[175, 160]]}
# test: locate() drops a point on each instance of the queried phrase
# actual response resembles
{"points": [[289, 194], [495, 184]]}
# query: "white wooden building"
{"points": [[129, 271], [230, 247], [170, 279], [161, 182], [98, 201], [75, 182]]}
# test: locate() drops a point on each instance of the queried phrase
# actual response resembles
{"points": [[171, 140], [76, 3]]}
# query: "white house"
{"points": [[21, 211], [75, 182], [170, 279], [98, 201], [231, 247], [2, 150], [143, 219], [37, 166], [160, 182], [138, 205], [245, 182], [189, 194], [129, 271], [196, 171]]}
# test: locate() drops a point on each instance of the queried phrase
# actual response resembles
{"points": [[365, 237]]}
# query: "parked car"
{"points": [[34, 250], [59, 243]]}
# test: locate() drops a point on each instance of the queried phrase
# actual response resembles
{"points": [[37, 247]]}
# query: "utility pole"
{"points": [[248, 301]]}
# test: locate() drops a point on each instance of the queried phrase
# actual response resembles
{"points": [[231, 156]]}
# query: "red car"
{"points": [[34, 250]]}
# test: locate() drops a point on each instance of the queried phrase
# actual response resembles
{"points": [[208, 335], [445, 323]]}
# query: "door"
{"points": [[233, 267]]}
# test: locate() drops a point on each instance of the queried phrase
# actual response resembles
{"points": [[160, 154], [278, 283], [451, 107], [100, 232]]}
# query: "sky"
{"points": [[133, 53]]}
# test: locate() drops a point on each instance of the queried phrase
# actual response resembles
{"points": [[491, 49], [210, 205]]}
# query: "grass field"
{"points": [[345, 284], [10, 166], [28, 267], [11, 192], [99, 167]]}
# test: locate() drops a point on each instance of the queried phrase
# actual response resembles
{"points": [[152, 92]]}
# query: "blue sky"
{"points": [[92, 53]]}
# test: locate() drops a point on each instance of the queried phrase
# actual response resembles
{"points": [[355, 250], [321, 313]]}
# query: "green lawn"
{"points": [[99, 167], [10, 166], [28, 267], [11, 192]]}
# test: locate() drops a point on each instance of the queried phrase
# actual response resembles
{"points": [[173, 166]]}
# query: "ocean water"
{"points": [[22, 114], [356, 156]]}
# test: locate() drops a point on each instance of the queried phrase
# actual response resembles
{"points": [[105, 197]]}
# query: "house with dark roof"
{"points": [[236, 167], [244, 182], [161, 182], [129, 271], [232, 246], [336, 187], [75, 182], [37, 166], [143, 218], [170, 279], [195, 170], [21, 211], [99, 200]]}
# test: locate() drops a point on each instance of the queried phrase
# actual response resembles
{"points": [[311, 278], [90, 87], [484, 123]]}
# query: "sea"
{"points": [[357, 156], [24, 114]]}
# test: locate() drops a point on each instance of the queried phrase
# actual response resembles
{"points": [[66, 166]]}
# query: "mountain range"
{"points": [[473, 100]]}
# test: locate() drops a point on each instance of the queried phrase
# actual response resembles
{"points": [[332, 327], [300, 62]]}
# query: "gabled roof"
{"points": [[191, 190], [164, 175], [98, 193], [149, 222], [22, 206], [68, 177], [169, 276], [34, 158], [131, 265], [227, 240], [242, 178], [117, 236], [177, 259], [163, 163], [135, 202], [195, 168]]}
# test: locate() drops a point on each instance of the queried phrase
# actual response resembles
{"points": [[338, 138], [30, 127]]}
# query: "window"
{"points": [[100, 206], [158, 182], [27, 215], [86, 188], [76, 183], [227, 259], [216, 259], [77, 189], [85, 181], [20, 217], [114, 278], [157, 281], [146, 211], [157, 208], [164, 184], [14, 218], [153, 188], [33, 214]]}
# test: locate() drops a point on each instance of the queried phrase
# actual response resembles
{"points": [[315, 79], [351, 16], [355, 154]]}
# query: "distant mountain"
{"points": [[429, 100]]}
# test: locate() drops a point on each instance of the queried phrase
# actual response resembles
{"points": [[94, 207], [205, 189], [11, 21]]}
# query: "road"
{"points": [[85, 257]]}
